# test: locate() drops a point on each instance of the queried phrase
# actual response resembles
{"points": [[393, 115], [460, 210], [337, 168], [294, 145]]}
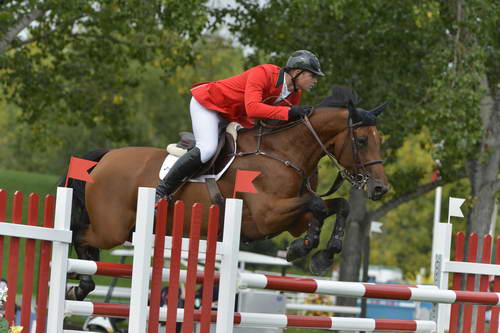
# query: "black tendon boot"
{"points": [[183, 168]]}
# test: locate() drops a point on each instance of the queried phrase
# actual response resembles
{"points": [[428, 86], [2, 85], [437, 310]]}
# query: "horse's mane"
{"points": [[340, 97]]}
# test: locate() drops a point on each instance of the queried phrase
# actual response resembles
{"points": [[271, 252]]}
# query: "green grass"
{"points": [[28, 182]]}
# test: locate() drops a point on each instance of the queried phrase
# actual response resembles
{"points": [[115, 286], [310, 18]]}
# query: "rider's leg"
{"points": [[205, 129], [206, 132]]}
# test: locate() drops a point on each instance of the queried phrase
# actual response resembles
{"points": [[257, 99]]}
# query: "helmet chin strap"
{"points": [[294, 78]]}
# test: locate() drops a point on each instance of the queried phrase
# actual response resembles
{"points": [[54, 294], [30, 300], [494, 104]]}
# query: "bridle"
{"points": [[358, 179], [360, 176]]}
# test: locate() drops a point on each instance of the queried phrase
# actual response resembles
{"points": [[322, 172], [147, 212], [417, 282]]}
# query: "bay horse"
{"points": [[287, 156]]}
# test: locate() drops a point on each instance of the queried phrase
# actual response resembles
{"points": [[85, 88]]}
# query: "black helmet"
{"points": [[305, 60]]}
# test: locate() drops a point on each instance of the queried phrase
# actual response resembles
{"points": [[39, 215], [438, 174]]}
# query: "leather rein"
{"points": [[358, 178]]}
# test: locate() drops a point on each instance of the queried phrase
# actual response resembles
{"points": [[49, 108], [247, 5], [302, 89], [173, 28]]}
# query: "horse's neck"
{"points": [[297, 144]]}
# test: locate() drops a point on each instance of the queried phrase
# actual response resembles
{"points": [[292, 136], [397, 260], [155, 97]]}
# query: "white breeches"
{"points": [[205, 129]]}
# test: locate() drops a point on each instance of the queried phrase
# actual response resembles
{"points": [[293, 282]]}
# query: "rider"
{"points": [[264, 91]]}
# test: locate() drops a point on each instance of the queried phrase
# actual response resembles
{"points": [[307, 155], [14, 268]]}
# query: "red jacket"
{"points": [[247, 95]]}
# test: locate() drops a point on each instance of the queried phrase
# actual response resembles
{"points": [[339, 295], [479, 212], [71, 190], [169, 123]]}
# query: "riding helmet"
{"points": [[305, 60]]}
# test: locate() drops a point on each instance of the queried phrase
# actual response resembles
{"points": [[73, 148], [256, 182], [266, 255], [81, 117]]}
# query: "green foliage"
{"points": [[403, 53], [455, 96], [159, 107], [357, 43], [413, 164], [113, 73], [429, 58], [74, 65], [406, 240]]}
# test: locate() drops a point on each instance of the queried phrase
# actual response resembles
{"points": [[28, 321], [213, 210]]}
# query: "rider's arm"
{"points": [[256, 83]]}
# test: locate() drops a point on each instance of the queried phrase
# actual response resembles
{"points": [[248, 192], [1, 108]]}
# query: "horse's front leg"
{"points": [[323, 260], [317, 212], [86, 284]]}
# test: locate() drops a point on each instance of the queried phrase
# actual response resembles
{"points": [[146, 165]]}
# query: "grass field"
{"points": [[28, 182]]}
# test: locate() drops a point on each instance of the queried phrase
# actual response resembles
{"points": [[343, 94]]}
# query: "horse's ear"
{"points": [[378, 110], [353, 112]]}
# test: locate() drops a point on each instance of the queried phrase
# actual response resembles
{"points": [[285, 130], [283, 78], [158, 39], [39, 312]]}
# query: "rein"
{"points": [[358, 179]]}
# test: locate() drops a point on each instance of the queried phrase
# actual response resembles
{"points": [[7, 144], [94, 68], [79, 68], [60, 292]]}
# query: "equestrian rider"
{"points": [[264, 91]]}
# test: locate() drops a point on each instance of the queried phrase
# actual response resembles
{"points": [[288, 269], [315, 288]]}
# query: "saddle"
{"points": [[212, 170]]}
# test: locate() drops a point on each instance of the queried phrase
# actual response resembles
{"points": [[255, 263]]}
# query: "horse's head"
{"points": [[357, 148]]}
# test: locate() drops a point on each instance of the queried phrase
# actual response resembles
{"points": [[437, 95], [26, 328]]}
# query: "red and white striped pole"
{"points": [[368, 290], [263, 320]]}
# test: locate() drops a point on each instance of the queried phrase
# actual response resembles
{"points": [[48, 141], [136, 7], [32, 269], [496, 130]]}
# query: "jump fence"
{"points": [[52, 240]]}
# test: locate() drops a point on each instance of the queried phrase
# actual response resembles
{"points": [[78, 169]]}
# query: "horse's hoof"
{"points": [[321, 262], [297, 250], [71, 294]]}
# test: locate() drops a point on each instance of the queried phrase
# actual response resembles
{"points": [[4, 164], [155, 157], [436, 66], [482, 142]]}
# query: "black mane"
{"points": [[340, 97]]}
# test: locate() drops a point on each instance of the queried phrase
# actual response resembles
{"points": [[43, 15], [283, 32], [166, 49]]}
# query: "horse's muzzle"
{"points": [[376, 189]]}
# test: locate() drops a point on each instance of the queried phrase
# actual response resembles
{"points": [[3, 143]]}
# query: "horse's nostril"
{"points": [[379, 189]]}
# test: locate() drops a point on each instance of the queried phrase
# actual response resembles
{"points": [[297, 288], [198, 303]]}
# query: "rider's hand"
{"points": [[298, 111]]}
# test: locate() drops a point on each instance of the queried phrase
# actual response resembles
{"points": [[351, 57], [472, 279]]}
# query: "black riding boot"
{"points": [[184, 167]]}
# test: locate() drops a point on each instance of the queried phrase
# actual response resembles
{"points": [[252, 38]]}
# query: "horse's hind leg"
{"points": [[300, 247], [86, 284], [323, 260]]}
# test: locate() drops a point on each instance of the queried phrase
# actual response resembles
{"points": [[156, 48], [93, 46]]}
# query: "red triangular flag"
{"points": [[244, 180], [78, 169]]}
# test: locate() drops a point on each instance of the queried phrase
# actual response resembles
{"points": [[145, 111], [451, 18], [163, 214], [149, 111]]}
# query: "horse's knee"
{"points": [[318, 208], [339, 206]]}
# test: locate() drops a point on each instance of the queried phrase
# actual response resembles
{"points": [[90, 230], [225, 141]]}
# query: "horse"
{"points": [[287, 156]]}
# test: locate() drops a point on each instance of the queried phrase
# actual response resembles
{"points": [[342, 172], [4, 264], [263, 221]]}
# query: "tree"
{"points": [[69, 61], [159, 107], [437, 61], [475, 53]]}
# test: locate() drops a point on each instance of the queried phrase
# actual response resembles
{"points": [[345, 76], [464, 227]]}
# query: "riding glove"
{"points": [[298, 111]]}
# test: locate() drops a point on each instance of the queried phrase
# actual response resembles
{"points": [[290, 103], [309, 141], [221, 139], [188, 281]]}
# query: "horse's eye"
{"points": [[362, 141]]}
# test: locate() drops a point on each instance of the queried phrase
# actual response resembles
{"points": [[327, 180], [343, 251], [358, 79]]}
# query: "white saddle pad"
{"points": [[175, 152]]}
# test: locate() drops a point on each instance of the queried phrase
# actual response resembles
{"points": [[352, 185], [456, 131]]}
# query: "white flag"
{"points": [[376, 227], [454, 208]]}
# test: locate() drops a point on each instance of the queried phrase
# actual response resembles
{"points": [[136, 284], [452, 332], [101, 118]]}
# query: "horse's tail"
{"points": [[79, 214]]}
